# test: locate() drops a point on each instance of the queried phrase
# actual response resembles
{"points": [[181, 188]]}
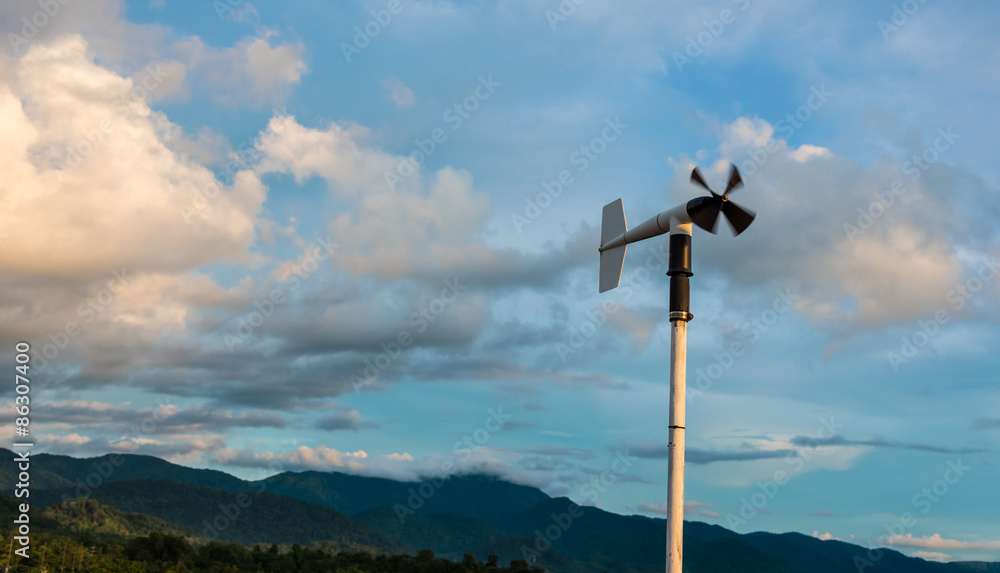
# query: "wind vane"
{"points": [[615, 237]]}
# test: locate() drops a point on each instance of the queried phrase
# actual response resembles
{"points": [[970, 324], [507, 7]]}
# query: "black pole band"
{"points": [[680, 298], [679, 255], [679, 269]]}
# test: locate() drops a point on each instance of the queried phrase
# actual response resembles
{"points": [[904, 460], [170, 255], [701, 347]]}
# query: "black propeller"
{"points": [[704, 211]]}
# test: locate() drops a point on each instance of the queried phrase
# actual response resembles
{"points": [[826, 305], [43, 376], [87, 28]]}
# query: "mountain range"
{"points": [[130, 494]]}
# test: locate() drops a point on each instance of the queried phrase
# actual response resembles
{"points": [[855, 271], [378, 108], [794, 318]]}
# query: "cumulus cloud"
{"points": [[176, 448], [337, 153], [805, 238], [400, 466], [300, 458], [251, 73], [426, 226], [391, 232], [825, 536], [102, 234], [89, 186]]}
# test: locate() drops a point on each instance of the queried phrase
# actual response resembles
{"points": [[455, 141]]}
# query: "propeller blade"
{"points": [[705, 213], [737, 217], [696, 178], [735, 181]]}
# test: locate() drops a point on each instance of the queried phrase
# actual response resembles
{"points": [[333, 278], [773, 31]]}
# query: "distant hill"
{"points": [[49, 471], [617, 542], [634, 543], [978, 566], [41, 477], [482, 497], [263, 518]]}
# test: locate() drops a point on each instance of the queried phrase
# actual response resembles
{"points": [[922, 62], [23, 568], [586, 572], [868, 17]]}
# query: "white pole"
{"points": [[675, 448]]}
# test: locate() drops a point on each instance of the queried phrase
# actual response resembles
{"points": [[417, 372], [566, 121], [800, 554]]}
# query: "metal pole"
{"points": [[679, 270], [675, 471]]}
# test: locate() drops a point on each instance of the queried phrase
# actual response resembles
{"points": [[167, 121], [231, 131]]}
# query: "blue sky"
{"points": [[341, 243]]}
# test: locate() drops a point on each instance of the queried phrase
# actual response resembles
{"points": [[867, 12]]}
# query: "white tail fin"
{"points": [[612, 225]]}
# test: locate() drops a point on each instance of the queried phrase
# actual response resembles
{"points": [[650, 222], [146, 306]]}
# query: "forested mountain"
{"points": [[246, 517]]}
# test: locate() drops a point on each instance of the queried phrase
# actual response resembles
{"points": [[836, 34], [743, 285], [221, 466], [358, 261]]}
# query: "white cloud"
{"points": [[390, 233], [251, 73], [825, 536], [804, 197], [805, 152], [301, 458], [933, 556], [96, 186], [936, 542], [271, 68], [68, 440], [336, 154], [117, 198]]}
